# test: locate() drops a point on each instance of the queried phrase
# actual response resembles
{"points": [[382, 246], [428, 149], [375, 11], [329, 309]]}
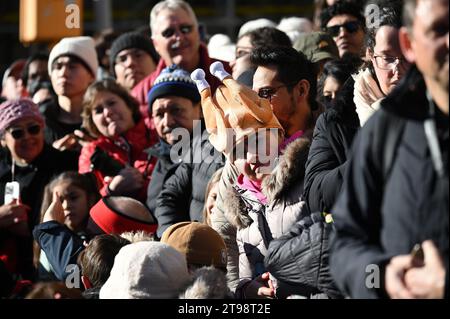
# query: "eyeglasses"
{"points": [[351, 27], [388, 62], [267, 93], [18, 133], [184, 29]]}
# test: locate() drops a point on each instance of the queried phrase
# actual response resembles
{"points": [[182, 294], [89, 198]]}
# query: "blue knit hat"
{"points": [[173, 81]]}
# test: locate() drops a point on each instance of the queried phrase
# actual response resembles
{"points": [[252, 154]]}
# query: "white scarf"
{"points": [[367, 95]]}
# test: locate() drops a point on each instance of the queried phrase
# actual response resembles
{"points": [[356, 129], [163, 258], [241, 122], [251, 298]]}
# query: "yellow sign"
{"points": [[50, 20]]}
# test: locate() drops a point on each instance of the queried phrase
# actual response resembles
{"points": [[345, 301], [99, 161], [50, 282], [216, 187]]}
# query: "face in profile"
{"points": [[241, 62]]}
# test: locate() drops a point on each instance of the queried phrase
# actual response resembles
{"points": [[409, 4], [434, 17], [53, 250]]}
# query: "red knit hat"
{"points": [[114, 222], [11, 111]]}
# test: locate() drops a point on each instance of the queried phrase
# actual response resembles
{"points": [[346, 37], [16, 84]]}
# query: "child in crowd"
{"points": [[73, 194]]}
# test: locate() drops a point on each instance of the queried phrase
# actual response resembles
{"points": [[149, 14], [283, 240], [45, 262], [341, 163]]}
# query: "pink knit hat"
{"points": [[11, 111]]}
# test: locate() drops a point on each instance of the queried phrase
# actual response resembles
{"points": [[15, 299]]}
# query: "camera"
{"points": [[104, 163]]}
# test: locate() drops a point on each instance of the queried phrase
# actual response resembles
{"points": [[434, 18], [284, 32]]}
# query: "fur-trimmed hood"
{"points": [[207, 283], [288, 173]]}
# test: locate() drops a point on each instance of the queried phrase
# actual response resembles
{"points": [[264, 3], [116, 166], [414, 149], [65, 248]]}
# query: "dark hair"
{"points": [[292, 67], [106, 85], [390, 15], [81, 181], [97, 259], [268, 36], [86, 182], [340, 70], [103, 42], [340, 8], [39, 56]]}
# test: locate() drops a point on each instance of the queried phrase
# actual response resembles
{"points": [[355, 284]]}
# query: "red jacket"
{"points": [[139, 138], [141, 89]]}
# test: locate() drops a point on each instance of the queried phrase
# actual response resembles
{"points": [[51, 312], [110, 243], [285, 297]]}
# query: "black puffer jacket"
{"points": [[183, 195], [299, 260], [327, 159], [380, 216]]}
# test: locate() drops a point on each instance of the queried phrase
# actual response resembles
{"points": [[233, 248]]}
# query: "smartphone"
{"points": [[12, 192]]}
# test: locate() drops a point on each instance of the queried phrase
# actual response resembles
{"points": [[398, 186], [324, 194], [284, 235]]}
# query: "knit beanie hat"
{"points": [[114, 222], [131, 40], [146, 270], [175, 81], [11, 111], [80, 47], [201, 244]]}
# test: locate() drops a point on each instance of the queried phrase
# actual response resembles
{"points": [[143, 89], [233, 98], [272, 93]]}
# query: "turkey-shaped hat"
{"points": [[233, 108]]}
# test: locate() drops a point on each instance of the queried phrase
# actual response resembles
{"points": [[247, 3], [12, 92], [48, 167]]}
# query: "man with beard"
{"points": [[173, 103], [176, 38], [392, 216]]}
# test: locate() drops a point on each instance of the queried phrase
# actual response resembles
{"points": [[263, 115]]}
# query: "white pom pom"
{"points": [[198, 76], [218, 71]]}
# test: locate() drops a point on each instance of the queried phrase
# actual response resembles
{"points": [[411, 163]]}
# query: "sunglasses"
{"points": [[267, 93], [184, 29], [18, 133], [350, 27]]}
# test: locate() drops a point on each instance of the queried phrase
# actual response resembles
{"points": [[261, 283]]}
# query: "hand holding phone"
{"points": [[12, 192]]}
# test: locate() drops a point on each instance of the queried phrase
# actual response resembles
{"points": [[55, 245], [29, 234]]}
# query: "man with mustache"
{"points": [[176, 38], [173, 104]]}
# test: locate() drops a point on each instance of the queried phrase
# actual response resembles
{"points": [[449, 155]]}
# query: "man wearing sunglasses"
{"points": [[176, 38], [345, 22]]}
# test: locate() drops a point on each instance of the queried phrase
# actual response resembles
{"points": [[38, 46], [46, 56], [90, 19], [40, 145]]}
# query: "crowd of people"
{"points": [[305, 160]]}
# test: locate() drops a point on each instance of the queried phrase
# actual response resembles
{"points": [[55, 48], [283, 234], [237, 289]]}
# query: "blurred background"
{"points": [[27, 26]]}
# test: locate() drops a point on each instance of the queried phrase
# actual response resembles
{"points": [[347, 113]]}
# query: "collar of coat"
{"points": [[288, 173], [408, 99]]}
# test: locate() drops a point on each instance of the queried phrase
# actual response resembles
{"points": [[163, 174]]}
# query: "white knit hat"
{"points": [[146, 270], [81, 47]]}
